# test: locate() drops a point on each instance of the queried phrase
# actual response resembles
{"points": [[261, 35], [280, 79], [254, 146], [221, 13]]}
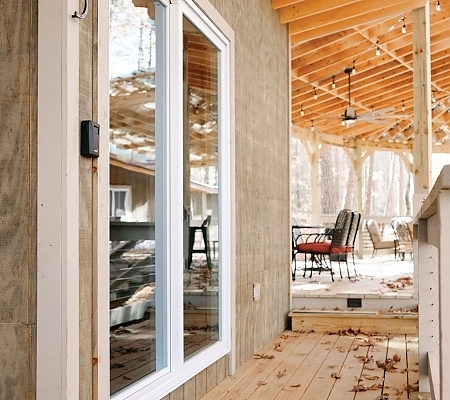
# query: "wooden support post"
{"points": [[422, 104]]}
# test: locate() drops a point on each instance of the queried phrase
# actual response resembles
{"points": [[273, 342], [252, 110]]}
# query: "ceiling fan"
{"points": [[350, 117]]}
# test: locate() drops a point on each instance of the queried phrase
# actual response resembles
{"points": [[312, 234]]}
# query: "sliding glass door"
{"points": [[169, 286]]}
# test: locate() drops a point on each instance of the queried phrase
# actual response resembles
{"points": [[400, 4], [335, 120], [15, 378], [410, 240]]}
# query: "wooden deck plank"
{"points": [[278, 382], [350, 371], [412, 354], [248, 367], [297, 384], [325, 379], [372, 375], [303, 369], [395, 381], [257, 378]]}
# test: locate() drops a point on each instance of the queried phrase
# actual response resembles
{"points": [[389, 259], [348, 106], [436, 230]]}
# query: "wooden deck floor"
{"points": [[317, 366]]}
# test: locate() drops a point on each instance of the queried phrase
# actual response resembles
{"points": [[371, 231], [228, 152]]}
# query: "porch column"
{"points": [[422, 105], [421, 156]]}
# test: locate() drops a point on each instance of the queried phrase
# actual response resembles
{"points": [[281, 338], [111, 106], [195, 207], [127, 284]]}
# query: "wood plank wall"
{"points": [[262, 137], [18, 192]]}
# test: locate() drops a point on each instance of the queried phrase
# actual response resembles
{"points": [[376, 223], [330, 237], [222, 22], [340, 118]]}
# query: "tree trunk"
{"points": [[369, 187], [389, 185], [327, 182], [348, 203]]}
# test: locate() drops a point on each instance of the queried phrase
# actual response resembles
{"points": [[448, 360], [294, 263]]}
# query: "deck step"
{"points": [[368, 301], [367, 321]]}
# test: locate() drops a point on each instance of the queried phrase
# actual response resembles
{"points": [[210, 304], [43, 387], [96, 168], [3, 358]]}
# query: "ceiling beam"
{"points": [[310, 27], [311, 7]]}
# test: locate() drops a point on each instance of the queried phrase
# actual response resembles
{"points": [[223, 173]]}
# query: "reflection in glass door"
{"points": [[200, 190], [136, 348]]}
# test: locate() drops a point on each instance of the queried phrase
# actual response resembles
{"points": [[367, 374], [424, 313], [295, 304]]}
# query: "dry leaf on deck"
{"points": [[278, 347], [371, 377], [336, 375], [358, 388], [297, 385], [261, 383], [281, 374], [375, 386], [396, 357], [264, 356]]}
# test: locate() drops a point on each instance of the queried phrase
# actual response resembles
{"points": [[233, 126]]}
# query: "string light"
{"points": [[403, 105], [377, 51], [315, 94], [438, 6], [302, 113], [404, 26], [343, 123], [433, 98], [333, 84], [354, 69], [312, 126]]}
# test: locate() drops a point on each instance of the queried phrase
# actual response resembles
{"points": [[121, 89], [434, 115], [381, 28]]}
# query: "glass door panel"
{"points": [[136, 339], [200, 190]]}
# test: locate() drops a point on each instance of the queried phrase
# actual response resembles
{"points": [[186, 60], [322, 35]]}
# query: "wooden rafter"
{"points": [[328, 37]]}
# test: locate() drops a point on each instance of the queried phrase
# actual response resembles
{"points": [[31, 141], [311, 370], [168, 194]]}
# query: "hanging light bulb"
{"points": [[333, 84], [315, 94], [302, 113], [343, 123], [354, 69], [403, 105], [433, 98], [312, 126], [402, 19], [438, 6], [377, 51]]}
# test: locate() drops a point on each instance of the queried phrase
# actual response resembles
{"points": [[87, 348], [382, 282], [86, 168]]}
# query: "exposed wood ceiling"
{"points": [[328, 37]]}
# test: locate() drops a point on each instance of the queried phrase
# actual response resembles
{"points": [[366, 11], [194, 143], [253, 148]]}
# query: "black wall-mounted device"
{"points": [[90, 138]]}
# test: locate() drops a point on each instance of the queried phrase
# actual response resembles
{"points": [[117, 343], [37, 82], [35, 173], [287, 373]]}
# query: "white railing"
{"points": [[432, 245]]}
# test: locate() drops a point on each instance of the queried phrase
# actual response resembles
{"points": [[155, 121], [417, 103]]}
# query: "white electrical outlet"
{"points": [[256, 291]]}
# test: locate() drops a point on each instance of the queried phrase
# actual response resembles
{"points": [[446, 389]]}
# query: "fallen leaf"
{"points": [[264, 356], [261, 383], [297, 385], [281, 374], [336, 375], [358, 388], [371, 377], [278, 347]]}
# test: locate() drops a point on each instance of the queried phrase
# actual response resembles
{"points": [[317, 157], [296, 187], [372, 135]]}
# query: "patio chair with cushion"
{"points": [[318, 246], [352, 238], [376, 238], [402, 227]]}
